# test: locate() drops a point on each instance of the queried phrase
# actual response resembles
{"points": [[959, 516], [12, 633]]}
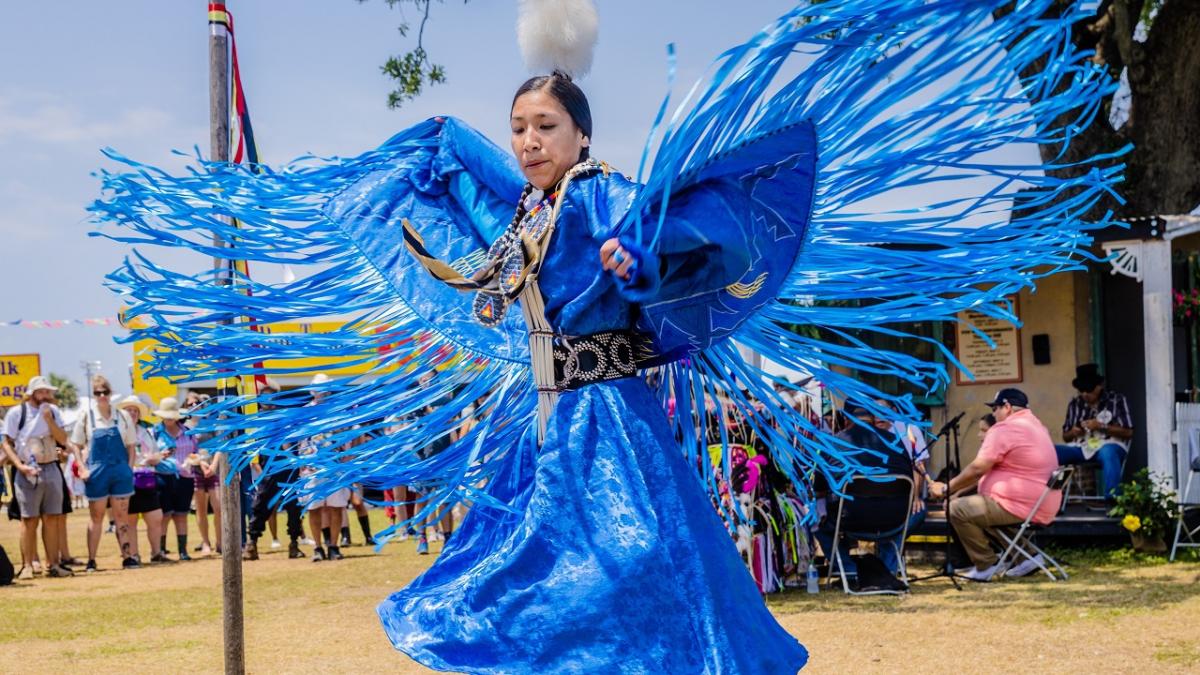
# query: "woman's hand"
{"points": [[618, 260]]}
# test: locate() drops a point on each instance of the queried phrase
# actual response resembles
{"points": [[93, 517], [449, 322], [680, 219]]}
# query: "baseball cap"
{"points": [[1011, 396]]}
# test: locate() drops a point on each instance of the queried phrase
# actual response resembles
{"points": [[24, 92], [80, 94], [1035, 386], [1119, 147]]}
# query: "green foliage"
{"points": [[412, 71], [1145, 499], [68, 395]]}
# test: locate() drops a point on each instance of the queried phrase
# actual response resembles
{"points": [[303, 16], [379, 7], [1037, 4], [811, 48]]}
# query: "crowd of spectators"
{"points": [[134, 475]]}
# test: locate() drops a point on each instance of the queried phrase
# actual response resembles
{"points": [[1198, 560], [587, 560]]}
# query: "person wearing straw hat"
{"points": [[145, 501], [174, 472], [32, 433]]}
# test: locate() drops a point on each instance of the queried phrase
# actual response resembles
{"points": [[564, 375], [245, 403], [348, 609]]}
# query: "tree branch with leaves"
{"points": [[412, 71]]}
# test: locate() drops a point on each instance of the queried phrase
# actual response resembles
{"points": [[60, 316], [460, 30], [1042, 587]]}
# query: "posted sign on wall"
{"points": [[15, 371], [1000, 364]]}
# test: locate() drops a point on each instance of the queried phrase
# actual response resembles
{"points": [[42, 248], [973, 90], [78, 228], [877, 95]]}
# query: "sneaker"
{"points": [[437, 535], [976, 574], [275, 544], [37, 566], [250, 552], [422, 545], [184, 557], [72, 562], [91, 566], [58, 571], [294, 550], [307, 541], [345, 542], [370, 541], [335, 553], [318, 554], [1026, 567], [130, 563], [26, 574], [402, 536], [160, 557]]}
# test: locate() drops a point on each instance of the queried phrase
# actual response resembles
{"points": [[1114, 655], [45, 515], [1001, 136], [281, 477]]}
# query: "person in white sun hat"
{"points": [[146, 501], [32, 433], [174, 471]]}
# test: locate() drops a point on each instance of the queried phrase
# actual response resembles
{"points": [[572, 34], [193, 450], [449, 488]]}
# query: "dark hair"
{"points": [[559, 85], [988, 419]]}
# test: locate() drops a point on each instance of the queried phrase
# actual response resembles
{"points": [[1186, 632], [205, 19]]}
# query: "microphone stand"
{"points": [[949, 435]]}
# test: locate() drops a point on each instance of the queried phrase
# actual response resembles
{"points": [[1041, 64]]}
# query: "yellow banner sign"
{"points": [[15, 371]]}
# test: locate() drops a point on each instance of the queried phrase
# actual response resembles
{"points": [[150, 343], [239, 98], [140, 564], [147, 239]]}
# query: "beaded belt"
{"points": [[608, 355]]}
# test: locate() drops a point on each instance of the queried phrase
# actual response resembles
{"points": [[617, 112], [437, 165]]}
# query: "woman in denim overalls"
{"points": [[109, 438]]}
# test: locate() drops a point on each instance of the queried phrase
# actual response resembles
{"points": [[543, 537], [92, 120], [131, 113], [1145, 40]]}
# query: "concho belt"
{"points": [[586, 359]]}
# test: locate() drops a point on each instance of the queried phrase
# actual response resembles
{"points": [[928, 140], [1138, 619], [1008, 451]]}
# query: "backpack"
{"points": [[14, 507], [6, 568], [874, 575]]}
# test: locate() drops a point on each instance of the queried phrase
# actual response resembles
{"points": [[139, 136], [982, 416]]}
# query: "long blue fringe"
{"points": [[906, 96]]}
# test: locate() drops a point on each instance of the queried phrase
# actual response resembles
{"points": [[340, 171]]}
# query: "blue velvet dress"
{"points": [[615, 559]]}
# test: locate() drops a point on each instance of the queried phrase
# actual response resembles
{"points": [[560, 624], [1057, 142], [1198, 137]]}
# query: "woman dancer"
{"points": [[592, 545]]}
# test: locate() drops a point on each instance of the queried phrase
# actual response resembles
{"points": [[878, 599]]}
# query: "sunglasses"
{"points": [[101, 392]]}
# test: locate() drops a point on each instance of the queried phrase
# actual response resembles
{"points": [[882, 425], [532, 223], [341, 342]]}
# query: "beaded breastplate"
{"points": [[516, 255]]}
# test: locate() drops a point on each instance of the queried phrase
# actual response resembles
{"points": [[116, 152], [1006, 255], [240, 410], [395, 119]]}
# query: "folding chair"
{"points": [[1022, 538], [869, 517], [1181, 528]]}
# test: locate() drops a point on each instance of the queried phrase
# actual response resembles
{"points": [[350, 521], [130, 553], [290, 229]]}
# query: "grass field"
{"points": [[1119, 613]]}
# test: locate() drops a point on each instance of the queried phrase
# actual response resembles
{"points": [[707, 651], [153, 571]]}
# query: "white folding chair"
{"points": [[1021, 541], [1185, 506], [895, 482]]}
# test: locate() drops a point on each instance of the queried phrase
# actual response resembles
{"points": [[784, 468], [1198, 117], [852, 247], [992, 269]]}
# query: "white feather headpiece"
{"points": [[557, 35]]}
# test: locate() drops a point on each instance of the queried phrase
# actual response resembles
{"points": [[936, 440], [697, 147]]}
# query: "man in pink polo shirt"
{"points": [[1013, 465]]}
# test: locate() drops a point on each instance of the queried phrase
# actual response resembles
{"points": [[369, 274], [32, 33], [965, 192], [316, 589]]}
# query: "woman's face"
{"points": [[545, 139]]}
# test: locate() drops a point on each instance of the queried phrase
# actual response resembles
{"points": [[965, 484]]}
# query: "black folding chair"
{"points": [[1021, 541], [1187, 505], [878, 511]]}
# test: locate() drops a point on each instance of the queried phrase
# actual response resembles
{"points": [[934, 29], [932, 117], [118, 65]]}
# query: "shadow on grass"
{"points": [[1102, 582]]}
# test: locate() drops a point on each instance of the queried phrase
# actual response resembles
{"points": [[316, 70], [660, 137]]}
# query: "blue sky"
{"points": [[133, 75]]}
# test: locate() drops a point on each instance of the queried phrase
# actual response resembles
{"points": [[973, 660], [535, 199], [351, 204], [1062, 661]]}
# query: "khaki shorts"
{"points": [[41, 496]]}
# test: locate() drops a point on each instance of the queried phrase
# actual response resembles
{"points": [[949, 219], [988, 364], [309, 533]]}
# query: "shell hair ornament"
{"points": [[558, 35]]}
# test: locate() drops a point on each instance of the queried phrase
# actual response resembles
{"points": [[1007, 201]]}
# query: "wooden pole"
{"points": [[231, 491]]}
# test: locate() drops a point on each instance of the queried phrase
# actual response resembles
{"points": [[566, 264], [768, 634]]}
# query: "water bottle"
{"points": [[813, 586]]}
